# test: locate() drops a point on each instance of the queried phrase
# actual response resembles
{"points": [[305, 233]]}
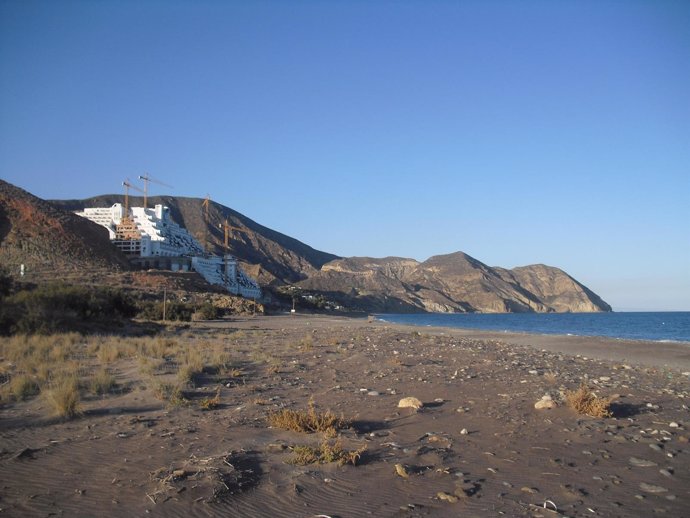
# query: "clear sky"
{"points": [[519, 132]]}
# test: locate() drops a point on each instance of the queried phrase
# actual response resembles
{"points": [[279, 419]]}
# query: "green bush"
{"points": [[207, 311], [59, 307], [173, 311]]}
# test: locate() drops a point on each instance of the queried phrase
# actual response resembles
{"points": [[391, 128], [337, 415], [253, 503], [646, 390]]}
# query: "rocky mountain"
{"points": [[444, 283], [46, 239], [450, 283], [269, 256]]}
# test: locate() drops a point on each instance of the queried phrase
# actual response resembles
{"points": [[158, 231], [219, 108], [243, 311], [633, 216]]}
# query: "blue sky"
{"points": [[518, 132]]}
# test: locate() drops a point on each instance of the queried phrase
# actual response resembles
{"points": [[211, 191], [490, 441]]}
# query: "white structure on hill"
{"points": [[151, 233]]}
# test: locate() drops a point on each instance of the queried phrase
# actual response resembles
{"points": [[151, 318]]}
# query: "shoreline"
{"points": [[646, 353]]}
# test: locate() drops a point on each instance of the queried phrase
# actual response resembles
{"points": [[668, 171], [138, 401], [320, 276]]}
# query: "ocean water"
{"points": [[666, 326]]}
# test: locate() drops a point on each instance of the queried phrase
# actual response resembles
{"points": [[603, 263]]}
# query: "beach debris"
{"points": [[410, 402], [546, 402], [442, 495], [550, 502], [650, 488], [641, 463], [402, 471]]}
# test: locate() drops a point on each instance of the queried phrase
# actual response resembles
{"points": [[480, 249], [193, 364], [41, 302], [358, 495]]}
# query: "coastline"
{"points": [[648, 353]]}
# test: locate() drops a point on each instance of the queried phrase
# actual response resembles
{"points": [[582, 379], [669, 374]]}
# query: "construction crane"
{"points": [[227, 227], [204, 206], [147, 179], [127, 187]]}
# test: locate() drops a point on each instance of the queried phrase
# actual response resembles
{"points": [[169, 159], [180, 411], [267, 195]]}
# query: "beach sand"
{"points": [[478, 447]]}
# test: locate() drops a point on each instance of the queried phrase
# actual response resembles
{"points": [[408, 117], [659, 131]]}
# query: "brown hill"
{"points": [[47, 239], [269, 256], [450, 283], [444, 283]]}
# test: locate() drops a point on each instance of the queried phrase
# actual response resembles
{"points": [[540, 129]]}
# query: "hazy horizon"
{"points": [[516, 132]]}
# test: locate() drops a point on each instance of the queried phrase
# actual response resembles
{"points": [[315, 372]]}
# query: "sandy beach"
{"points": [[477, 447]]}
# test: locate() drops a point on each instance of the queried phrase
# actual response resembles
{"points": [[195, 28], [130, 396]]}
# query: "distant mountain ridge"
{"points": [[453, 282]]}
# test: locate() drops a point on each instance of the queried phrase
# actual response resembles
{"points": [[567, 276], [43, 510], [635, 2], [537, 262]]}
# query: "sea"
{"points": [[652, 326]]}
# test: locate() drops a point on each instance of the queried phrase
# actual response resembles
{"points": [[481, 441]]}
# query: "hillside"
{"points": [[46, 239], [269, 256], [445, 283], [450, 283]]}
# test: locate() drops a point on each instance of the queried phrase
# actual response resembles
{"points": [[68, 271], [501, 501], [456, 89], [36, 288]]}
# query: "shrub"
{"points": [[53, 307], [103, 382], [584, 401], [171, 393], [24, 387], [63, 397], [192, 368], [326, 452], [308, 421], [207, 311], [210, 403], [180, 311]]}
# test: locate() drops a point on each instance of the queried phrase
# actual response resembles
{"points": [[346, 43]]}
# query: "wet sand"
{"points": [[478, 447]]}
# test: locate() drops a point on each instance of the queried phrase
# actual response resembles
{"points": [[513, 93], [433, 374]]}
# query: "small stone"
{"points": [[401, 471], [665, 472], [655, 447], [544, 403], [442, 495], [533, 371], [650, 488], [410, 402], [276, 447], [673, 424], [464, 431], [372, 393], [604, 378], [641, 463], [530, 490]]}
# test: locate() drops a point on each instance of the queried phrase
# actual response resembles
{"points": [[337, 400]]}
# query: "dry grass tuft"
{"points": [[209, 403], [308, 421], [584, 401], [63, 397], [103, 382], [170, 393], [326, 452], [23, 387], [192, 367]]}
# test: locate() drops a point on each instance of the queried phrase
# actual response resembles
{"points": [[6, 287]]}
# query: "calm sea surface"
{"points": [[672, 326]]}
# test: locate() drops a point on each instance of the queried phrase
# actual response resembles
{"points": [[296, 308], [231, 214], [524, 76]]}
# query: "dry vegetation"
{"points": [[308, 421], [65, 368], [586, 402], [328, 451]]}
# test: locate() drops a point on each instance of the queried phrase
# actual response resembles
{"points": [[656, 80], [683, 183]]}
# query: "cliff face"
{"points": [[451, 283]]}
